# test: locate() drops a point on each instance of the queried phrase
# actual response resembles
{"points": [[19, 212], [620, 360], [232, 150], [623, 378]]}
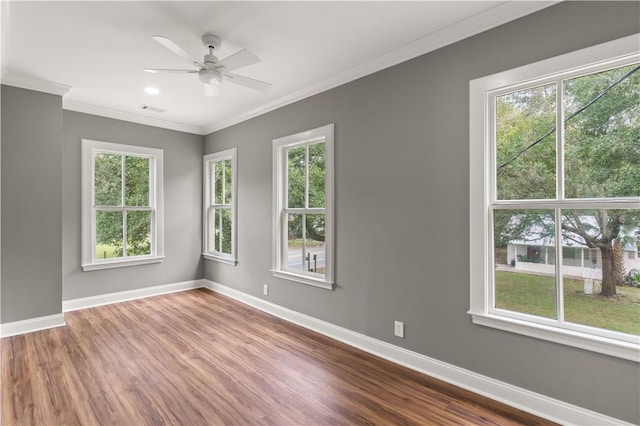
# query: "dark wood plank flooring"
{"points": [[197, 357]]}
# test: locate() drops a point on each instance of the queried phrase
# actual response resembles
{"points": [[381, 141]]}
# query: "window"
{"points": [[303, 207], [121, 205], [219, 242], [554, 157]]}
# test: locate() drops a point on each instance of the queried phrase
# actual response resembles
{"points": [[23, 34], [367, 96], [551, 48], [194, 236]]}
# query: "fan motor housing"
{"points": [[210, 59], [211, 40]]}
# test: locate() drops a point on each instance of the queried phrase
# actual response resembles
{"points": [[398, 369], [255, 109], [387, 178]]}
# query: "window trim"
{"points": [[231, 154], [280, 146], [481, 90], [88, 149]]}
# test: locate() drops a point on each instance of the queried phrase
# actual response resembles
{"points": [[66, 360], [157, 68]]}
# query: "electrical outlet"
{"points": [[398, 329], [265, 289]]}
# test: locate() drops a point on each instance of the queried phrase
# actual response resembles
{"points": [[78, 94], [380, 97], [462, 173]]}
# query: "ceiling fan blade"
{"points": [[158, 71], [238, 60], [211, 89], [177, 50], [247, 82]]}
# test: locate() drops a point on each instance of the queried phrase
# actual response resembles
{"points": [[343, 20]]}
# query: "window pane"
{"points": [[602, 150], [294, 242], [211, 230], [226, 230], [211, 167], [136, 192], [108, 179], [109, 242], [218, 179], [316, 175], [138, 233], [296, 177], [525, 273], [227, 179], [217, 230], [526, 144], [594, 281], [314, 232]]}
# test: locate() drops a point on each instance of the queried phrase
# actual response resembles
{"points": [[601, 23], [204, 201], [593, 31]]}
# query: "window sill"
{"points": [[225, 260], [121, 263], [616, 348], [304, 279]]}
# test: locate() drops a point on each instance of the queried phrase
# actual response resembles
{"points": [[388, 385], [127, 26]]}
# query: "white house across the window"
{"points": [[555, 199], [122, 202], [303, 207], [219, 186]]}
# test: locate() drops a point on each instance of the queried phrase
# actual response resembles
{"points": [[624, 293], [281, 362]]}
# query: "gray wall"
{"points": [[182, 204], [402, 209], [31, 204]]}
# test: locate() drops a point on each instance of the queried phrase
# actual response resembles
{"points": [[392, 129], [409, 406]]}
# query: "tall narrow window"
{"points": [[122, 205], [303, 207], [555, 199], [219, 240]]}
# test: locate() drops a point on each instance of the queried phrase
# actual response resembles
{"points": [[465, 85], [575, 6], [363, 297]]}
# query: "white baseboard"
{"points": [[32, 324], [531, 402], [123, 296]]}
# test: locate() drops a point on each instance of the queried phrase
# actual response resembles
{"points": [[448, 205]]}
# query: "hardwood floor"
{"points": [[197, 357]]}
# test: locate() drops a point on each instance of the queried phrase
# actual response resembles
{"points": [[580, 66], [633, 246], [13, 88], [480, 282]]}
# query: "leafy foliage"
{"points": [[601, 160], [220, 220], [115, 221], [602, 148], [523, 117], [297, 166]]}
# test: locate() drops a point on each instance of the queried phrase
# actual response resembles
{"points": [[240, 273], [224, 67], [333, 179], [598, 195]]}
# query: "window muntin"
{"points": [[122, 205], [219, 242], [530, 177], [303, 207]]}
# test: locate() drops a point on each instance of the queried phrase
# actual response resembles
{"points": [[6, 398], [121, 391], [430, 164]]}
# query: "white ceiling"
{"points": [[100, 49]]}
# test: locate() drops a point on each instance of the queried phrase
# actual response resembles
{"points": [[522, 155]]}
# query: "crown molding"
{"points": [[491, 18], [35, 84], [131, 117]]}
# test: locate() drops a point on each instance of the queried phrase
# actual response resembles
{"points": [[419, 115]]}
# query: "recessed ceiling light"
{"points": [[151, 91]]}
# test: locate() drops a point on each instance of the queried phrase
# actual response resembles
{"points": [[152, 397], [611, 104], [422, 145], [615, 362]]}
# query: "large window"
{"points": [[121, 205], [555, 199], [303, 207], [219, 214]]}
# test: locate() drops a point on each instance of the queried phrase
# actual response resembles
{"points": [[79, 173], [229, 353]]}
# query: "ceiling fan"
{"points": [[212, 72]]}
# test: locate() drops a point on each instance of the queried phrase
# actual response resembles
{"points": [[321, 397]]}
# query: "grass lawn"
{"points": [[104, 251], [535, 295], [292, 244]]}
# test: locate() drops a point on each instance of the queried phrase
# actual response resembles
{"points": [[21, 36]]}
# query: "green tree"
{"points": [[601, 160], [223, 193], [298, 159], [134, 225]]}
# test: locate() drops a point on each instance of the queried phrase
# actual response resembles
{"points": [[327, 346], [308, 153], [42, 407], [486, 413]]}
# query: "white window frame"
{"points": [[156, 202], [483, 198], [280, 196], [208, 203]]}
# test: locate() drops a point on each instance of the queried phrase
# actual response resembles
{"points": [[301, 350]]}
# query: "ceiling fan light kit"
{"points": [[212, 72], [209, 76]]}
